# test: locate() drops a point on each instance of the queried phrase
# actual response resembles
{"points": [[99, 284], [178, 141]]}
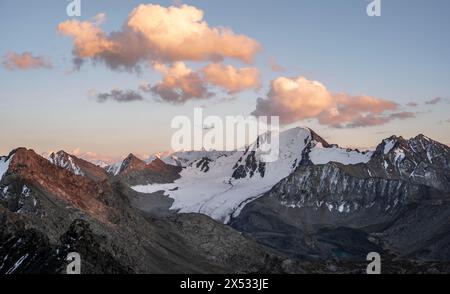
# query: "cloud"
{"points": [[119, 96], [434, 101], [179, 84], [89, 41], [402, 115], [25, 61], [156, 33], [375, 120], [295, 99], [232, 79]]}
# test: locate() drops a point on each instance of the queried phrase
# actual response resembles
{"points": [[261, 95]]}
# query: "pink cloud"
{"points": [[295, 99], [232, 79], [25, 61], [179, 84], [156, 33]]}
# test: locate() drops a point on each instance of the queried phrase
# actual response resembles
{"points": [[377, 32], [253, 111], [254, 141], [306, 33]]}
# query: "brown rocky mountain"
{"points": [[78, 166], [134, 171], [47, 211]]}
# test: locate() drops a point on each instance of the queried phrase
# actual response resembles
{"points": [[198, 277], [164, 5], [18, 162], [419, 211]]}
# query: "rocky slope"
{"points": [[78, 166], [398, 201], [134, 171], [47, 205]]}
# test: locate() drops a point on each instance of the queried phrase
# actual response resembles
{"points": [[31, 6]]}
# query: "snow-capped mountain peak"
{"points": [[65, 160], [219, 183]]}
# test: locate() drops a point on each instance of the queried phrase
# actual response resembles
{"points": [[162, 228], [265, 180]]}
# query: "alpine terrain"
{"points": [[318, 208]]}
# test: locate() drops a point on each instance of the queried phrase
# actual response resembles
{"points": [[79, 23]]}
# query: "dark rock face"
{"points": [[398, 204], [248, 165], [418, 160], [203, 164]]}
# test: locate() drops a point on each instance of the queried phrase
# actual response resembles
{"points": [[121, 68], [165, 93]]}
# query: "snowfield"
{"points": [[4, 165], [320, 155], [219, 195]]}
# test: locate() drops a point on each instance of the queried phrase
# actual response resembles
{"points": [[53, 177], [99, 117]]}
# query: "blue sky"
{"points": [[402, 56]]}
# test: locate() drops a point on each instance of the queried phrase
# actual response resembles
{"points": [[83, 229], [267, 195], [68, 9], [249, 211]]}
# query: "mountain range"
{"points": [[318, 208]]}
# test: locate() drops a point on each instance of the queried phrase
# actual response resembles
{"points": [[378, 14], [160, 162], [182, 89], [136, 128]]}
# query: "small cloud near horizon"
{"points": [[119, 96], [25, 61], [434, 101]]}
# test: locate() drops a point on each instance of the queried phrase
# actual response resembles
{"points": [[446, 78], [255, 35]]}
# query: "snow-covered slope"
{"points": [[321, 155], [159, 155], [4, 165], [220, 184], [114, 168], [100, 163]]}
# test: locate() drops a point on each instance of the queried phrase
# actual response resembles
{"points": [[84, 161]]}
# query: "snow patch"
{"points": [[4, 165], [388, 145], [321, 155], [114, 169], [399, 155]]}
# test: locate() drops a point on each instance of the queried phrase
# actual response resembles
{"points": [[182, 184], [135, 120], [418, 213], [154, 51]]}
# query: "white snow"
{"points": [[430, 158], [388, 145], [159, 155], [114, 169], [399, 155], [321, 155], [217, 194], [100, 163], [4, 165]]}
